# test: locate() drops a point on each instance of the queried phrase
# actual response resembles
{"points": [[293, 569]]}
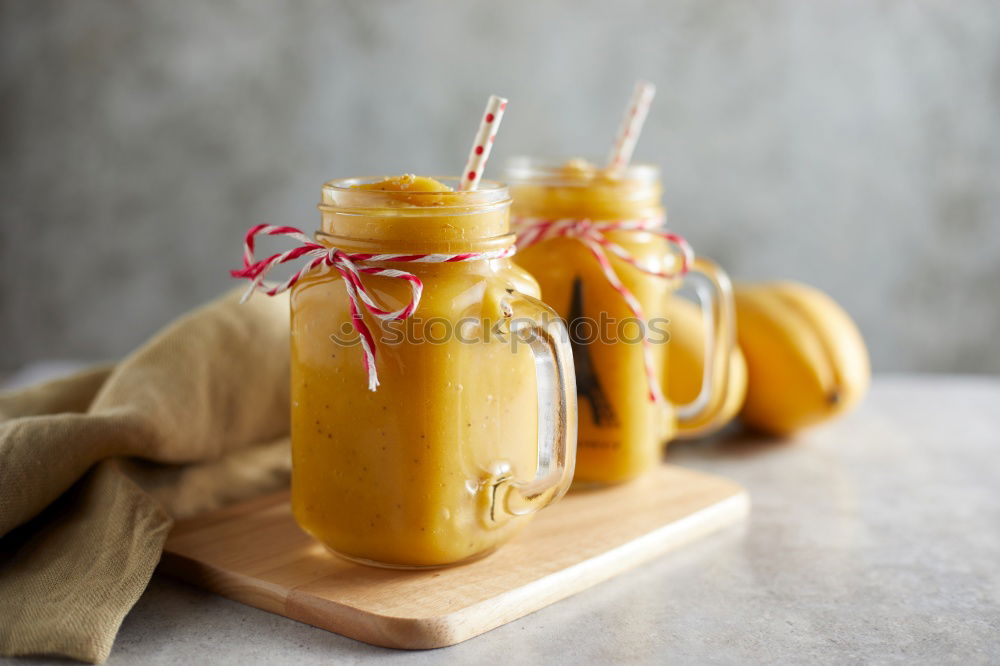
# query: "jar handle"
{"points": [[536, 324], [715, 293]]}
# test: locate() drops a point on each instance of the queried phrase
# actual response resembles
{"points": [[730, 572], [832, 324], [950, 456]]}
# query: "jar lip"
{"points": [[340, 193], [485, 244], [551, 171]]}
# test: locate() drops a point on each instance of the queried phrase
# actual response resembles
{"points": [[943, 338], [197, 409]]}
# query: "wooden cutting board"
{"points": [[255, 553]]}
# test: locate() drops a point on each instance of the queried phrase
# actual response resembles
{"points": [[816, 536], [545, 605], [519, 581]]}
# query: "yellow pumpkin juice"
{"points": [[621, 431], [407, 475]]}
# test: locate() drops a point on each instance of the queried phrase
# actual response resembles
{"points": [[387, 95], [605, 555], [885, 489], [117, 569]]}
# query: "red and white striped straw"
{"points": [[483, 144], [628, 133]]}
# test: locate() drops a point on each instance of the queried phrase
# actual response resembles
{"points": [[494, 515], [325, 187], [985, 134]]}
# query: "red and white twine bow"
{"points": [[592, 233], [350, 266]]}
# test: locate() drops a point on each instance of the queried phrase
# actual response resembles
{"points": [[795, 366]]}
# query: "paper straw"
{"points": [[631, 126], [483, 144]]}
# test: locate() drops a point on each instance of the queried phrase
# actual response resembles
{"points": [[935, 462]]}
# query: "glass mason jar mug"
{"points": [[581, 231], [473, 425]]}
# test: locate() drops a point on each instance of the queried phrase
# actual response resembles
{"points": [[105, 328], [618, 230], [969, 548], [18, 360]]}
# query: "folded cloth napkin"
{"points": [[95, 467]]}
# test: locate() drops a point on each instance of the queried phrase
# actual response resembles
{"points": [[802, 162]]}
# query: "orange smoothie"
{"points": [[431, 468], [621, 431]]}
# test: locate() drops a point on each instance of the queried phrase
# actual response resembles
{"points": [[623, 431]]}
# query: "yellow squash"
{"points": [[806, 359]]}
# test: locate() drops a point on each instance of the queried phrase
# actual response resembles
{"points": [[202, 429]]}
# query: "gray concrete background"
{"points": [[851, 145]]}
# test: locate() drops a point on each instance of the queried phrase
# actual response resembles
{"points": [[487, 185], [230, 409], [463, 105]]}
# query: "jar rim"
{"points": [[484, 244], [340, 193], [523, 169]]}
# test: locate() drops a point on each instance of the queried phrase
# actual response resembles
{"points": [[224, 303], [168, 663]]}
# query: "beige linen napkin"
{"points": [[94, 468]]}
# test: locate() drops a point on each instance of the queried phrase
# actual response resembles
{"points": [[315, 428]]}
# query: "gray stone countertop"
{"points": [[872, 539]]}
